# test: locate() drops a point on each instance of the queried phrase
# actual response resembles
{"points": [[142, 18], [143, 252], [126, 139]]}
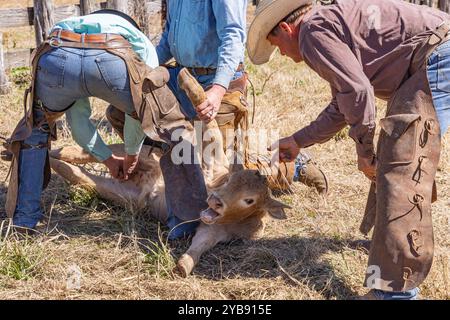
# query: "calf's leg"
{"points": [[206, 237]]}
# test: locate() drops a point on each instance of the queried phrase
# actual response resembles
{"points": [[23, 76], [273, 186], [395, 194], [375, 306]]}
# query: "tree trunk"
{"points": [[88, 6], [43, 19], [4, 83]]}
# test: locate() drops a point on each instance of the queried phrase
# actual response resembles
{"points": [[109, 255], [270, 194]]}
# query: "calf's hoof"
{"points": [[185, 265]]}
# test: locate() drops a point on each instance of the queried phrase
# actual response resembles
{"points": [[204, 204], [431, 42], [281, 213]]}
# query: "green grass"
{"points": [[83, 197], [21, 76], [158, 261], [21, 260]]}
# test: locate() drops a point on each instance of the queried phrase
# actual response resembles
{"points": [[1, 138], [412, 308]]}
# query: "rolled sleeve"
{"points": [[333, 60], [163, 47], [230, 26]]}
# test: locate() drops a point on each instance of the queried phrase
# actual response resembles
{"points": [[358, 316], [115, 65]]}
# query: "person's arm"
{"points": [[230, 26], [133, 135], [231, 29], [85, 134], [333, 60], [163, 47], [329, 122], [134, 138]]}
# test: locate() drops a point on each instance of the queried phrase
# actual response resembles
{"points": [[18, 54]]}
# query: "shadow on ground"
{"points": [[299, 261]]}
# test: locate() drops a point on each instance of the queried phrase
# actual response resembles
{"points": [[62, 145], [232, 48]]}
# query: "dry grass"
{"points": [[122, 253]]}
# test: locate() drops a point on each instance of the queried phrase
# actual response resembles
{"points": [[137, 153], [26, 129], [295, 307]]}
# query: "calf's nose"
{"points": [[215, 203]]}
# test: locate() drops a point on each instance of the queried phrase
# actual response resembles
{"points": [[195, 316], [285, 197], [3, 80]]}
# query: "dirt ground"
{"points": [[123, 254]]}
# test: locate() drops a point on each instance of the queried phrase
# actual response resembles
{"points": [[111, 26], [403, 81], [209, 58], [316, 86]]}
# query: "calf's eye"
{"points": [[249, 201]]}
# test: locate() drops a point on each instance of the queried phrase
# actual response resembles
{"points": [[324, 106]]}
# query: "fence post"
{"points": [[88, 6], [43, 19], [5, 86], [139, 11], [121, 5]]}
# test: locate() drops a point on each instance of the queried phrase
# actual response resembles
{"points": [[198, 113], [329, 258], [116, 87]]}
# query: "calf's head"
{"points": [[241, 195]]}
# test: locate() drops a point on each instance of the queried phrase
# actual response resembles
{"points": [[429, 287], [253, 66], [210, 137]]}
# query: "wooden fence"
{"points": [[43, 15]]}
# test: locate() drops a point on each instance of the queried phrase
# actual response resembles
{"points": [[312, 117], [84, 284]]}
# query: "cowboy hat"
{"points": [[267, 16]]}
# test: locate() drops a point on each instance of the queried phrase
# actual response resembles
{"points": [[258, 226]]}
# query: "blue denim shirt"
{"points": [[205, 33]]}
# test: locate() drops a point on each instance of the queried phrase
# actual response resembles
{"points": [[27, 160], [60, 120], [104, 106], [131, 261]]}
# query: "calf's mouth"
{"points": [[209, 216]]}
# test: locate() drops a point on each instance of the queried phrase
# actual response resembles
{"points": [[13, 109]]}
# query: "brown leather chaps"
{"points": [[401, 251]]}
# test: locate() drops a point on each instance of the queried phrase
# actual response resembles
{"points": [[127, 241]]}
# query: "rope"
{"points": [[184, 222], [254, 100]]}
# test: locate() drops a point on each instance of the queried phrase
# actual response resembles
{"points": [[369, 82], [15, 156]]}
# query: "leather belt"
{"points": [[82, 37], [441, 34], [201, 71], [66, 38]]}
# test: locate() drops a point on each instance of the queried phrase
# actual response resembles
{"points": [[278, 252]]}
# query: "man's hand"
{"points": [[368, 166], [115, 166], [208, 110], [129, 165], [287, 148]]}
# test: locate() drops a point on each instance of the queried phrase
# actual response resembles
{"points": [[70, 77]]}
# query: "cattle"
{"points": [[239, 202]]}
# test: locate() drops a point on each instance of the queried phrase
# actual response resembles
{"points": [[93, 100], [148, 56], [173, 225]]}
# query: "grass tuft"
{"points": [[159, 260], [83, 197], [21, 260]]}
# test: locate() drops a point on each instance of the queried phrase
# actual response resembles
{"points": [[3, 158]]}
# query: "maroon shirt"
{"points": [[363, 48]]}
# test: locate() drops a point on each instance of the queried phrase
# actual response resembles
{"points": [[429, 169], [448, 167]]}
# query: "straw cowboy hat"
{"points": [[268, 14]]}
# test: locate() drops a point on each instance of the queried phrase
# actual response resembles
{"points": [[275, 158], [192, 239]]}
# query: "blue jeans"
{"points": [[438, 72], [188, 109], [65, 75], [31, 178]]}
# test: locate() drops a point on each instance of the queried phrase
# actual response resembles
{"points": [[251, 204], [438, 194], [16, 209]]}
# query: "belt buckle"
{"points": [[55, 42]]}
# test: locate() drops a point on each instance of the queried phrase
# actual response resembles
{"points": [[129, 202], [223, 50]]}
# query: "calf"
{"points": [[238, 202]]}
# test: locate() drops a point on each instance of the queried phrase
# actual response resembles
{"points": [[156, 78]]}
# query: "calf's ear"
{"points": [[276, 209]]}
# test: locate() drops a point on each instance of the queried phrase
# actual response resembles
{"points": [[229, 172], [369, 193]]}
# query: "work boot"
{"points": [[307, 172], [376, 294]]}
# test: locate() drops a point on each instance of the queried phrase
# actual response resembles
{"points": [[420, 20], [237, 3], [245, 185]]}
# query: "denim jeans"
{"points": [[65, 75], [438, 72], [192, 173], [31, 165]]}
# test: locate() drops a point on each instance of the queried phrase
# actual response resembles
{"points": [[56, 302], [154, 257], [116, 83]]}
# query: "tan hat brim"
{"points": [[258, 47]]}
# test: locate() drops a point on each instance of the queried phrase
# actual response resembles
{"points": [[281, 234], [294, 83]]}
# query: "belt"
{"points": [[441, 34], [201, 71], [87, 41]]}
